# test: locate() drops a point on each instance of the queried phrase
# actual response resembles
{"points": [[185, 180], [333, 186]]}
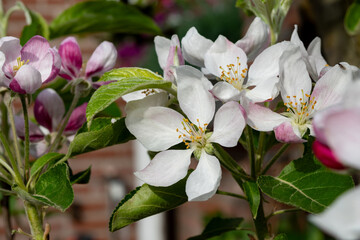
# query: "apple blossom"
{"points": [[146, 119], [102, 60], [301, 103], [25, 69]]}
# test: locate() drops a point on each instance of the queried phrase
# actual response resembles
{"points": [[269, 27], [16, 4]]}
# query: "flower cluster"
{"points": [[246, 77]]}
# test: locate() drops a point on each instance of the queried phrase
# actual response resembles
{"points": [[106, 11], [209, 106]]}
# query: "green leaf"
{"points": [[42, 161], [281, 236], [38, 26], [127, 80], [253, 194], [54, 188], [102, 16], [102, 133], [218, 226], [82, 177], [352, 18], [305, 183], [146, 201]]}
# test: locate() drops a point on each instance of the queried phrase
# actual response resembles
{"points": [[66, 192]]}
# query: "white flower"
{"points": [[158, 128]]}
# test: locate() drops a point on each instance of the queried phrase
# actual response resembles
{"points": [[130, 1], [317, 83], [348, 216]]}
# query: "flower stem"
{"points": [[74, 102], [27, 137], [34, 217], [250, 142], [231, 194], [275, 157], [13, 131], [261, 223]]}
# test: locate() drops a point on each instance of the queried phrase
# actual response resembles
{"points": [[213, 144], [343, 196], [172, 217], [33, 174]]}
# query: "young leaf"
{"points": [[43, 160], [281, 236], [102, 16], [218, 226], [54, 188], [82, 177], [352, 18], [253, 194], [102, 133], [127, 80], [306, 184], [38, 26], [146, 201]]}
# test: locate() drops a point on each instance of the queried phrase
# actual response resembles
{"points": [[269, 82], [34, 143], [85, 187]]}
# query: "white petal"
{"points": [[166, 168], [264, 91], [256, 38], [194, 47], [294, 77], [266, 65], [316, 60], [153, 100], [229, 124], [341, 218], [162, 47], [221, 54], [11, 47], [225, 92], [196, 101], [204, 181], [102, 60], [28, 79], [155, 127], [295, 39], [262, 118], [330, 88], [287, 133]]}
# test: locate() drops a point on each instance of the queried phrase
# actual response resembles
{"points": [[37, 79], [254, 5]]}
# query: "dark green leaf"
{"points": [[253, 194], [42, 161], [54, 188], [146, 201], [82, 177], [218, 226], [305, 183], [352, 18], [102, 133], [102, 16], [38, 26], [127, 80]]}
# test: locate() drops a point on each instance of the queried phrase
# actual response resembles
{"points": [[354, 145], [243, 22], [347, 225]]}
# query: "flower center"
{"points": [[300, 109], [193, 135], [20, 63], [233, 74]]}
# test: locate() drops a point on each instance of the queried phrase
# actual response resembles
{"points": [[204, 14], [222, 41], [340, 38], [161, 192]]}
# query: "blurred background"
{"points": [[112, 168]]}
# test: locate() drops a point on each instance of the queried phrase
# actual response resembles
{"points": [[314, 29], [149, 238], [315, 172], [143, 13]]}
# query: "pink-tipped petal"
{"points": [[76, 120], [166, 168], [205, 180], [285, 133], [49, 109], [49, 70], [174, 58], [194, 47], [35, 133], [26, 81], [71, 58], [196, 101], [102, 60], [35, 49], [326, 156], [229, 124]]}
